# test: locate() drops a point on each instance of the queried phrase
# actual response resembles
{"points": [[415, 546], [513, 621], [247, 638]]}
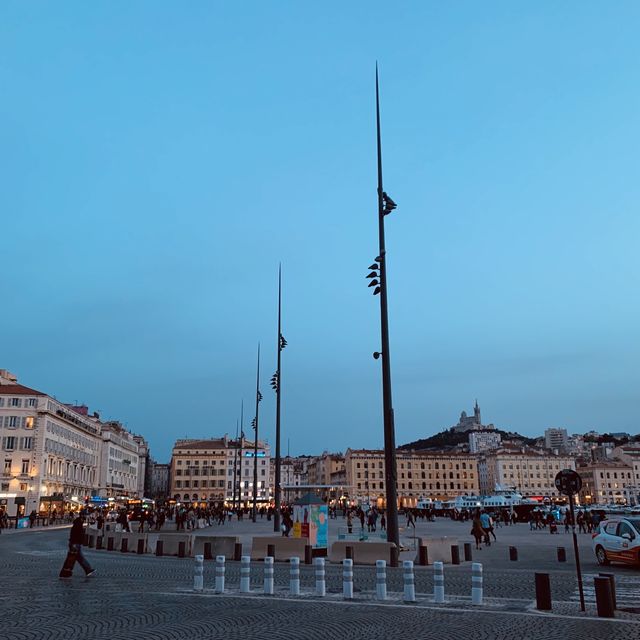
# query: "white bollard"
{"points": [[320, 583], [476, 583], [347, 579], [198, 579], [438, 582], [409, 581], [268, 576], [245, 574], [220, 574], [381, 579], [294, 577]]}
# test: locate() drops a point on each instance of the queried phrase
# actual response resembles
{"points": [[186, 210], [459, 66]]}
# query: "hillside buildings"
{"points": [[480, 441], [556, 439]]}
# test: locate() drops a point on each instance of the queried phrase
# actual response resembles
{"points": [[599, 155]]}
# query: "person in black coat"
{"points": [[76, 539]]}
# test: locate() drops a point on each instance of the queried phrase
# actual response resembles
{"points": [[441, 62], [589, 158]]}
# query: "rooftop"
{"points": [[18, 390], [213, 443]]}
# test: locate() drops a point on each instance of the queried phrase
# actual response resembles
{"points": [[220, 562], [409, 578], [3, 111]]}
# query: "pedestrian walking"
{"points": [[477, 531], [485, 521], [76, 538]]}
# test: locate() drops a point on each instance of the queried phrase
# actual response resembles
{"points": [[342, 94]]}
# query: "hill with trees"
{"points": [[448, 439]]}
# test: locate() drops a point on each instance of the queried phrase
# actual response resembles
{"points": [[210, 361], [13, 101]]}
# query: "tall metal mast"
{"points": [[255, 438], [385, 206], [278, 389]]}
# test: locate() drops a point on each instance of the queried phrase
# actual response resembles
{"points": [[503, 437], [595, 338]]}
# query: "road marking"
{"points": [[398, 605], [627, 590]]}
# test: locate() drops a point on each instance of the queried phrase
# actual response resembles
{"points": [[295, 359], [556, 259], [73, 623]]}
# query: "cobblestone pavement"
{"points": [[146, 597]]}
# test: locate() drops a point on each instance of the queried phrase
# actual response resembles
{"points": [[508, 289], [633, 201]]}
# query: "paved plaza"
{"points": [[147, 597]]}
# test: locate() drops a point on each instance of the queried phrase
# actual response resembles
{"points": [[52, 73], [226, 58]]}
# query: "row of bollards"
{"points": [[409, 591], [604, 587]]}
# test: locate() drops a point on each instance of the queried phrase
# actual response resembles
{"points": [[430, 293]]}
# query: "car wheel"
{"points": [[601, 556]]}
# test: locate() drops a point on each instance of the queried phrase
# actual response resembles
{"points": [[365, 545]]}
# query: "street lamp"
{"points": [[276, 385], [378, 277]]}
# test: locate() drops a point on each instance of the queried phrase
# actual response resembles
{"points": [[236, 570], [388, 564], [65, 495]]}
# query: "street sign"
{"points": [[568, 482]]}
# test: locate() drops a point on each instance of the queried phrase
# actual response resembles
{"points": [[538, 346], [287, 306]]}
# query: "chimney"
{"points": [[6, 377]]}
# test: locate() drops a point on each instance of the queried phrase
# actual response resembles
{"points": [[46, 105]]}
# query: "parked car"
{"points": [[617, 540]]}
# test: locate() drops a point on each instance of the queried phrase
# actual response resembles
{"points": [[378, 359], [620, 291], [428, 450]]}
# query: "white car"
{"points": [[617, 540]]}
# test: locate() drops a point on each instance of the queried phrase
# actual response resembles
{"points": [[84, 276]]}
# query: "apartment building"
{"points": [[606, 482], [322, 467], [420, 474], [219, 470], [47, 448], [529, 471], [56, 455]]}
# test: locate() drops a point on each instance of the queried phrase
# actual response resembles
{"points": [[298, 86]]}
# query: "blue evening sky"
{"points": [[159, 159]]}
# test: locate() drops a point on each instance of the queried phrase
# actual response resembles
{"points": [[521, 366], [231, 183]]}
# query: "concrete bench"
{"points": [[132, 541], [117, 538], [438, 548], [220, 545], [285, 548], [171, 543], [93, 534], [363, 552]]}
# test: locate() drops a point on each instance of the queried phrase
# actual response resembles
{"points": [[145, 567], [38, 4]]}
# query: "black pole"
{"points": [[235, 469], [276, 518], [255, 444], [576, 552], [240, 443], [393, 534]]}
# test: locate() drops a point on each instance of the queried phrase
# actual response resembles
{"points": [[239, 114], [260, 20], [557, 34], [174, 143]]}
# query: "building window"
{"points": [[32, 402], [26, 443], [9, 443], [23, 486], [16, 402], [7, 466], [28, 423], [178, 484]]}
